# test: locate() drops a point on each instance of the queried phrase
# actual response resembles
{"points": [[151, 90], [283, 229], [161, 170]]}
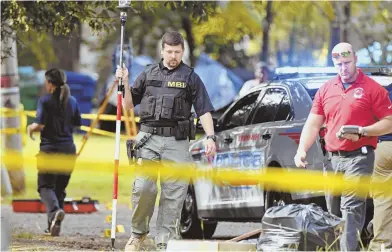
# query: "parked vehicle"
{"points": [[258, 130]]}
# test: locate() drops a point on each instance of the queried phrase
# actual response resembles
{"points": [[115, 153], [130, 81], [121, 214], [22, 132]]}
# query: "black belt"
{"points": [[160, 131], [343, 153]]}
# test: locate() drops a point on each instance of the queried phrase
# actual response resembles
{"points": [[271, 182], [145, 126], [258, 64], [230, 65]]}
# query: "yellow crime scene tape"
{"points": [[282, 179], [7, 112], [10, 131], [103, 132]]}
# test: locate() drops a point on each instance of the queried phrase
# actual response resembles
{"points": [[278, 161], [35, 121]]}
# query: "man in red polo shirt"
{"points": [[350, 98]]}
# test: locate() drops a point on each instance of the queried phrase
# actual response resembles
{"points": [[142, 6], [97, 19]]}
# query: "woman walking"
{"points": [[57, 115]]}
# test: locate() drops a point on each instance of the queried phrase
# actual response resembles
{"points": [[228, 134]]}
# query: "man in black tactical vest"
{"points": [[166, 92]]}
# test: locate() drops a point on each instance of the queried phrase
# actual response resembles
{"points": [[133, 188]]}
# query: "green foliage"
{"points": [[35, 49], [41, 19], [300, 26], [149, 17], [199, 11], [59, 17], [231, 23], [216, 26], [228, 26], [55, 17]]}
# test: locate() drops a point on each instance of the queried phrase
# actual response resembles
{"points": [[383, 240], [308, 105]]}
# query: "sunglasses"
{"points": [[343, 54]]}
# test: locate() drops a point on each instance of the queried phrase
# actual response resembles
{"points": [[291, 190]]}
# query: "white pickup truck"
{"points": [[258, 130]]}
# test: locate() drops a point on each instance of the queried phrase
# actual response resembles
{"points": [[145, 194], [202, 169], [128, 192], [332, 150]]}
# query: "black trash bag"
{"points": [[298, 227]]}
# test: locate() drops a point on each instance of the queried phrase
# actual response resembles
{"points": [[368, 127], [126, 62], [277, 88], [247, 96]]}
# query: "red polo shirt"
{"points": [[363, 103]]}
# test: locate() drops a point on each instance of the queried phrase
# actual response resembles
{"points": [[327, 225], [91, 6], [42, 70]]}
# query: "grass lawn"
{"points": [[97, 185]]}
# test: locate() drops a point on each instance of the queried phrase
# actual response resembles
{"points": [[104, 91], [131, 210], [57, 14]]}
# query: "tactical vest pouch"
{"points": [[155, 83], [158, 108], [179, 109], [167, 107], [147, 107], [182, 130], [192, 127]]}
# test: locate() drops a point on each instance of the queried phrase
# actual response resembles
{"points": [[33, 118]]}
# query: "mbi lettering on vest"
{"points": [[166, 97], [176, 84]]}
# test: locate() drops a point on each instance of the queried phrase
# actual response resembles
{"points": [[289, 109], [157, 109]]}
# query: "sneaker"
{"points": [[161, 246], [47, 231], [56, 223], [135, 243]]}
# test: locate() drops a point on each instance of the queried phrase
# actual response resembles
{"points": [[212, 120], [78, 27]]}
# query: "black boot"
{"points": [[55, 226]]}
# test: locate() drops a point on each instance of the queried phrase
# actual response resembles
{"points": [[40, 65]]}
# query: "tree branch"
{"points": [[321, 11], [363, 39]]}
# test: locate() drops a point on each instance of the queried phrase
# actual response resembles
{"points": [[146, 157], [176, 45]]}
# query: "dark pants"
{"points": [[350, 207], [51, 186]]}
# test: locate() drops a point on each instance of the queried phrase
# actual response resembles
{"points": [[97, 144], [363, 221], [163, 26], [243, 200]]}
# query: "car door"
{"points": [[249, 147], [272, 117], [271, 110], [231, 129], [275, 116]]}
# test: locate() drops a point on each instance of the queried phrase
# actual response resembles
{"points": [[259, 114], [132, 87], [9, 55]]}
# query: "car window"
{"points": [[275, 106], [312, 85], [239, 113]]}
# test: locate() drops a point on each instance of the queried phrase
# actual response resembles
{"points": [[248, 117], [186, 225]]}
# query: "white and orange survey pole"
{"points": [[123, 6]]}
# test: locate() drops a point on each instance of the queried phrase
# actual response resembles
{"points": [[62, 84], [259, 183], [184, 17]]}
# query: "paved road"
{"points": [[85, 231]]}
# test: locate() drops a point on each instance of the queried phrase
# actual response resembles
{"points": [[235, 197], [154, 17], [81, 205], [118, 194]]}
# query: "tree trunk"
{"points": [[334, 39], [312, 49], [266, 29], [279, 55], [292, 46], [187, 26], [384, 47], [347, 18], [67, 50], [140, 47], [335, 30], [12, 142]]}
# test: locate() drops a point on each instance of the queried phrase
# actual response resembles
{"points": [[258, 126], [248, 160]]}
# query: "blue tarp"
{"points": [[137, 66], [83, 89], [221, 83], [80, 79]]}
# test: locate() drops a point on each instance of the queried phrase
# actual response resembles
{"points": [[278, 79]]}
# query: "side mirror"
{"points": [[199, 127], [216, 124], [198, 124]]}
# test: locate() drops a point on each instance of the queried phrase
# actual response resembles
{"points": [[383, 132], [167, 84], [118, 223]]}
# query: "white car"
{"points": [[260, 129]]}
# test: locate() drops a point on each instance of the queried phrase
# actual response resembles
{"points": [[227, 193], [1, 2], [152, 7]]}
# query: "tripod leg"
{"points": [[133, 123], [127, 123], [100, 111]]}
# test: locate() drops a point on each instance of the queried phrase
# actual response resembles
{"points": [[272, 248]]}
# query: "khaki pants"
{"points": [[382, 221], [168, 152]]}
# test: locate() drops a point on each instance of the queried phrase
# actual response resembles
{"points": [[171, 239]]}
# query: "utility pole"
{"points": [[10, 99]]}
